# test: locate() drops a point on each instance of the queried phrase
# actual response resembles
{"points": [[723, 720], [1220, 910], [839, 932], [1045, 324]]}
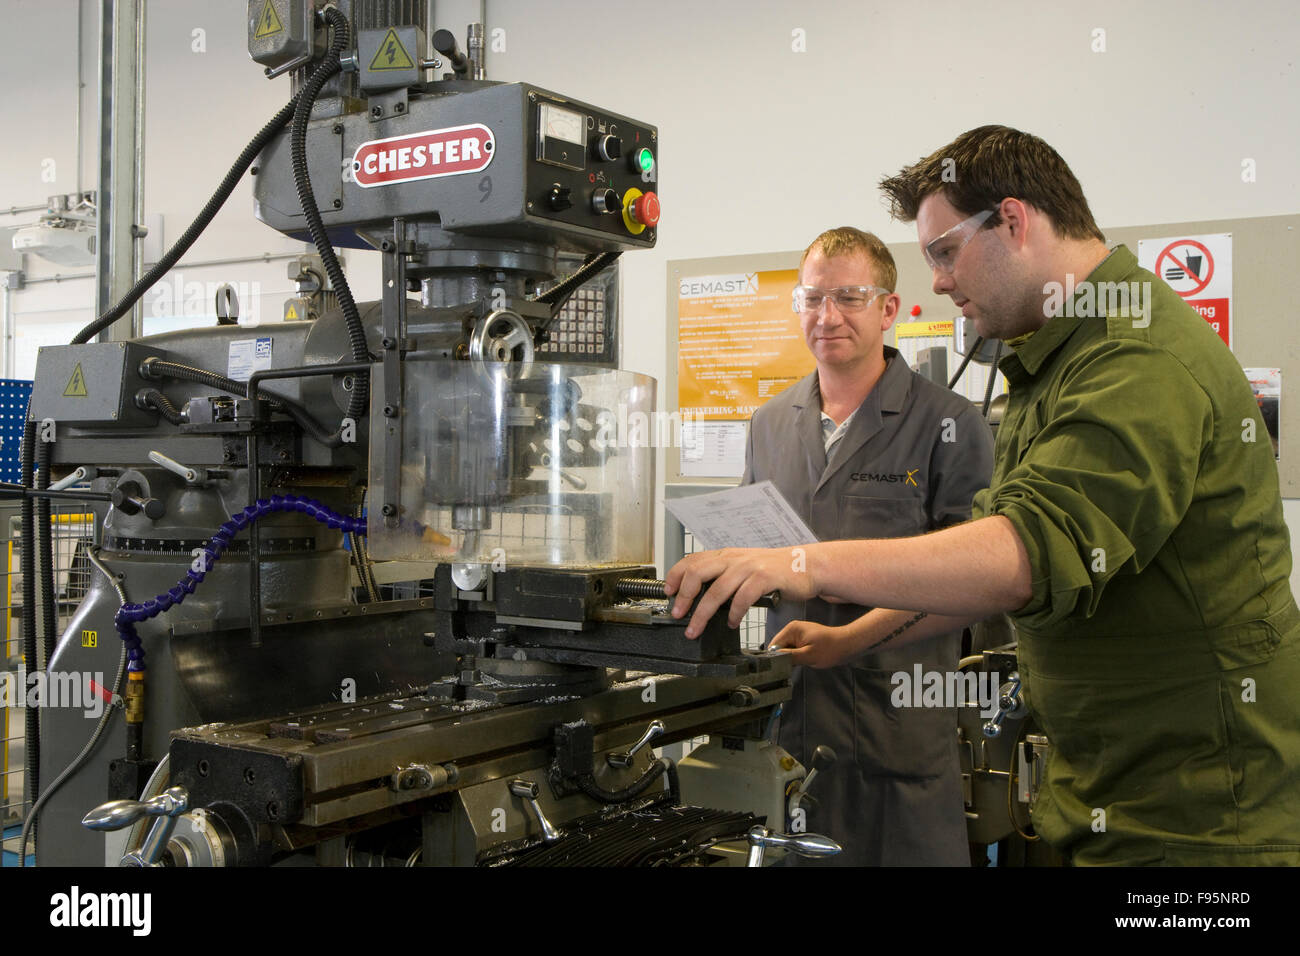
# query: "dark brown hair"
{"points": [[983, 166]]}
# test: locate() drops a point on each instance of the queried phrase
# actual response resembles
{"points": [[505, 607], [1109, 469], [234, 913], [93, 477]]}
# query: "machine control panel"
{"points": [[511, 161], [593, 168]]}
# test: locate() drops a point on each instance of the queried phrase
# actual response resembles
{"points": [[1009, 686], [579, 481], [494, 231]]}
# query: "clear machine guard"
{"points": [[501, 465]]}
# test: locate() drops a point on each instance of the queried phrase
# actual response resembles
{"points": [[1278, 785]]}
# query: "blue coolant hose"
{"points": [[129, 615]]}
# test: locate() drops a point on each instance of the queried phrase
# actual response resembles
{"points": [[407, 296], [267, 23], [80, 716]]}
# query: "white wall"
{"points": [[762, 147]]}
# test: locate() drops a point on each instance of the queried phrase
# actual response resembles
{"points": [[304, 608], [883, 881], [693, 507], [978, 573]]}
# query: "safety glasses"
{"points": [[941, 253], [847, 298]]}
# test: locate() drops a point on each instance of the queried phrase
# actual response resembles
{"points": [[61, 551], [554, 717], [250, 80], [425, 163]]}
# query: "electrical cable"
{"points": [[200, 223], [557, 295], [297, 110], [361, 558], [364, 547], [993, 375], [114, 705], [369, 566], [157, 368], [366, 593], [358, 401], [27, 564], [45, 552], [587, 783], [970, 354], [152, 398]]}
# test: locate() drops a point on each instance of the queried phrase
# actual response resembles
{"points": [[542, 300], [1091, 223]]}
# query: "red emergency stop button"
{"points": [[640, 211], [645, 209]]}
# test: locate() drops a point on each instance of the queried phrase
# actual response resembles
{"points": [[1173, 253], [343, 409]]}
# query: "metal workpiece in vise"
{"points": [[165, 808], [1011, 705], [654, 588]]}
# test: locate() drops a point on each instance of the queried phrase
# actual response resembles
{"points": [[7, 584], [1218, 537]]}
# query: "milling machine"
{"points": [[502, 710]]}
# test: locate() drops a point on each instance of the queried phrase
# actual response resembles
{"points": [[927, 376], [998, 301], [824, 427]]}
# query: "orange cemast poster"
{"points": [[738, 343]]}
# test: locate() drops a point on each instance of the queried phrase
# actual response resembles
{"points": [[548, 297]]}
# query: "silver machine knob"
{"points": [[804, 844], [116, 814], [625, 759], [1011, 703], [528, 790]]}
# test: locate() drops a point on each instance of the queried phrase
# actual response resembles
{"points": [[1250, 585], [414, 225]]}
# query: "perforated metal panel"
{"points": [[14, 395], [586, 330]]}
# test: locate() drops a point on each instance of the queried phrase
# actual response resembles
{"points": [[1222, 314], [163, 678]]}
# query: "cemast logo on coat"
{"points": [[893, 478]]}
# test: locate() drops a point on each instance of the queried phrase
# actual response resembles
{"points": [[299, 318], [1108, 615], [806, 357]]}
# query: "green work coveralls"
{"points": [[1161, 648]]}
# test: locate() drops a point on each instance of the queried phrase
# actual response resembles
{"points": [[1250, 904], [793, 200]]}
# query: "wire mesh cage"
{"points": [[72, 533]]}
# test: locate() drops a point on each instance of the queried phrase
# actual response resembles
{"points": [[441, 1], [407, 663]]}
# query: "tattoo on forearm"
{"points": [[899, 630]]}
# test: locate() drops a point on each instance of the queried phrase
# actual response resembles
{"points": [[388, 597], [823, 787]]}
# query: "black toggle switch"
{"points": [[558, 198]]}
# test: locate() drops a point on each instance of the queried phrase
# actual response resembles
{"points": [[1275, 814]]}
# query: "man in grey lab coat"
{"points": [[861, 448]]}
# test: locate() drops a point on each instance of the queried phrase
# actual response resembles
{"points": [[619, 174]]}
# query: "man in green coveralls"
{"points": [[1133, 529]]}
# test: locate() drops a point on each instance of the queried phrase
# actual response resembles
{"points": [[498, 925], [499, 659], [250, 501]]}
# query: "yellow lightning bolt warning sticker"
{"points": [[392, 55], [268, 22], [77, 384]]}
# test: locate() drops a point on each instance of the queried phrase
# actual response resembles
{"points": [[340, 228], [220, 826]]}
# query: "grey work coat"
{"points": [[911, 460]]}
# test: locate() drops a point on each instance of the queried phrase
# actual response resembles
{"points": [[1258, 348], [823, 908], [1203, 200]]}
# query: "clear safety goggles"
{"points": [[941, 253], [847, 298]]}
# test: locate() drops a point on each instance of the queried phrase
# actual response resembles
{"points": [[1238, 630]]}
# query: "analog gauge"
{"points": [[563, 124]]}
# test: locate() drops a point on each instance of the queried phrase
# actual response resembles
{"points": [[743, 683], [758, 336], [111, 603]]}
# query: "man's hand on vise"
{"points": [[741, 574], [814, 645]]}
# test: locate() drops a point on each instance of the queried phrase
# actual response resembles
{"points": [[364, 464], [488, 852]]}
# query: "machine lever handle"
{"points": [[528, 790], [71, 479], [625, 760], [1010, 703], [823, 757], [191, 475], [117, 814], [804, 844]]}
